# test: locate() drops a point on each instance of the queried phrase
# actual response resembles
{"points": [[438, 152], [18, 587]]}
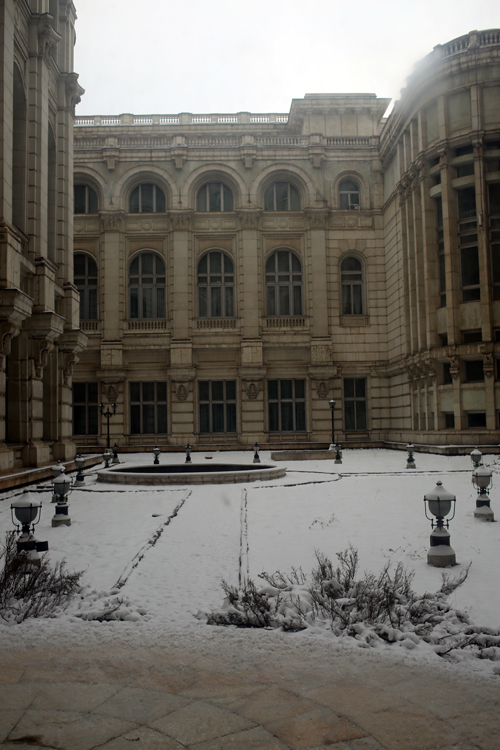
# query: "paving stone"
{"points": [[318, 727], [142, 738], [480, 728], [363, 743], [409, 729], [67, 730], [251, 739], [216, 690], [141, 706], [272, 704], [440, 696], [10, 674], [20, 695], [199, 722], [8, 720], [76, 696], [354, 699]]}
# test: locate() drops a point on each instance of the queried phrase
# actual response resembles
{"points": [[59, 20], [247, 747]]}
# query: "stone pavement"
{"points": [[117, 698]]}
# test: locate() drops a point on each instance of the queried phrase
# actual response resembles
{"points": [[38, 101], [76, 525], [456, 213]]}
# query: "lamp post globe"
{"points": [[482, 481], [410, 461], [62, 485], [476, 456], [26, 510], [439, 502], [79, 463], [256, 449], [156, 453]]}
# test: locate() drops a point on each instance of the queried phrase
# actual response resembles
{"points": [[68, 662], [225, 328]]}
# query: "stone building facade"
{"points": [[39, 325], [238, 271]]}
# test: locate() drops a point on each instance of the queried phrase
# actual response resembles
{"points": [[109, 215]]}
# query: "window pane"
{"points": [[300, 416], [204, 418], [350, 264], [349, 415], [79, 393], [287, 416], [79, 264], [147, 264], [284, 296], [216, 293], [217, 417], [344, 201], [228, 199], [296, 265], [134, 303], [281, 196], [360, 386], [148, 418], [93, 425], [283, 261], [229, 292], [294, 199], [201, 200], [300, 388], [297, 300], [147, 206], [466, 203], [134, 201], [93, 397], [204, 386], [271, 300], [160, 302], [231, 417], [270, 264], [79, 420], [92, 196], [286, 389], [357, 299], [346, 299], [214, 193], [470, 266], [160, 200], [161, 391], [79, 197], [272, 389], [361, 415], [135, 391], [147, 303], [135, 419], [348, 387], [216, 263], [269, 198], [202, 302], [348, 186], [273, 417], [231, 390], [92, 306], [148, 391], [161, 411]]}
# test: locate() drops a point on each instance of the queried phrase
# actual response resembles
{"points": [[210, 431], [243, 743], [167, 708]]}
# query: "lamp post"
{"points": [[334, 446], [80, 463], [410, 461], [156, 453], [26, 512], [188, 450], [58, 469], [115, 460], [256, 449], [62, 485], [107, 415], [439, 502], [107, 456], [476, 457], [482, 481]]}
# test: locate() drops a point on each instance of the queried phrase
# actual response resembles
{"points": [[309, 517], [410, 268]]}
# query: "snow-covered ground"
{"points": [[164, 550]]}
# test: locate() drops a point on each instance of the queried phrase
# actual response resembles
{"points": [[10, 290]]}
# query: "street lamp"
{"points": [[80, 463], [439, 503], [256, 449], [156, 453], [27, 510], [107, 415], [115, 460], [62, 485], [188, 450], [482, 481], [58, 469], [107, 456], [476, 456], [410, 461], [334, 446]]}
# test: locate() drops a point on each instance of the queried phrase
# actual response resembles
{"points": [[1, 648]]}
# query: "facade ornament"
{"points": [[421, 168], [317, 219], [48, 38], [488, 365], [478, 147], [179, 156], [181, 391], [455, 368], [69, 362], [249, 219], [41, 347], [111, 157], [74, 91], [322, 390], [443, 158], [181, 221], [248, 156], [111, 221], [253, 390]]}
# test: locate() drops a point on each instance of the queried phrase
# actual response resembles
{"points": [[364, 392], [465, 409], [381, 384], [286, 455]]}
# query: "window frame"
{"points": [[85, 289], [348, 284], [352, 205], [141, 287], [208, 198], [228, 404], [293, 193], [277, 285], [276, 412], [90, 195], [210, 286], [468, 242], [494, 237], [89, 408], [143, 403], [156, 188], [355, 400]]}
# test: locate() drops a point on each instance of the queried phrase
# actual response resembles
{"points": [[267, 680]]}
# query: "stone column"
{"points": [[317, 247], [451, 250], [489, 389], [250, 274]]}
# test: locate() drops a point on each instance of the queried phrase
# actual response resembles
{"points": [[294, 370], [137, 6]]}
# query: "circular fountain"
{"points": [[190, 473]]}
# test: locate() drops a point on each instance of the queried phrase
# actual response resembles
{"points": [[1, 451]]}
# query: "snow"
{"points": [[162, 551]]}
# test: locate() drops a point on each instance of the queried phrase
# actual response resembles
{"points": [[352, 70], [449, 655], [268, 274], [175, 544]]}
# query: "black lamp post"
{"points": [[115, 460], [482, 480], [334, 446], [107, 456], [80, 478], [62, 485], [156, 453], [107, 415], [439, 502], [256, 449], [188, 450], [410, 461], [26, 512]]}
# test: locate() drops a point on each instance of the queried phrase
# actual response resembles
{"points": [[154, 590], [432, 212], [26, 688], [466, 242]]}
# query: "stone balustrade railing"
{"points": [[185, 118]]}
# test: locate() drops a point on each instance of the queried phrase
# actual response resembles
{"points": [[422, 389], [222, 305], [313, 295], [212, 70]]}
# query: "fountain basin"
{"points": [[190, 474]]}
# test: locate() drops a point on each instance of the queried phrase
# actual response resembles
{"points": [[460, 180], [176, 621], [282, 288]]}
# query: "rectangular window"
{"points": [[148, 408], [355, 403], [476, 419], [467, 240], [449, 420], [472, 337], [447, 379], [286, 405], [440, 245], [474, 370], [85, 409], [494, 206], [217, 403]]}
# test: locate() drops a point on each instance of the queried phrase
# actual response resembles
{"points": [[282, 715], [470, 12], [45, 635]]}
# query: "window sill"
{"points": [[354, 321]]}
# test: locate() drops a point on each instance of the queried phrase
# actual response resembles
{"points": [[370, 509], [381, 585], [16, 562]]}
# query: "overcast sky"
{"points": [[202, 56]]}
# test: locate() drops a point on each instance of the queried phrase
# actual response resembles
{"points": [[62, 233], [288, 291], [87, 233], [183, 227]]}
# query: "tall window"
{"points": [[147, 199], [85, 409], [85, 200], [355, 403], [494, 205], [214, 196], [283, 284], [215, 286], [440, 247], [351, 272], [147, 287], [148, 408], [217, 405], [287, 405], [85, 274], [348, 194], [467, 238], [281, 196]]}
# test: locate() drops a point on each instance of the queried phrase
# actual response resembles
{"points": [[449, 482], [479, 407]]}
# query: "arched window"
{"points": [[147, 198], [215, 285], [214, 196], [351, 272], [283, 284], [281, 196], [147, 287], [348, 194], [85, 200], [85, 275]]}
